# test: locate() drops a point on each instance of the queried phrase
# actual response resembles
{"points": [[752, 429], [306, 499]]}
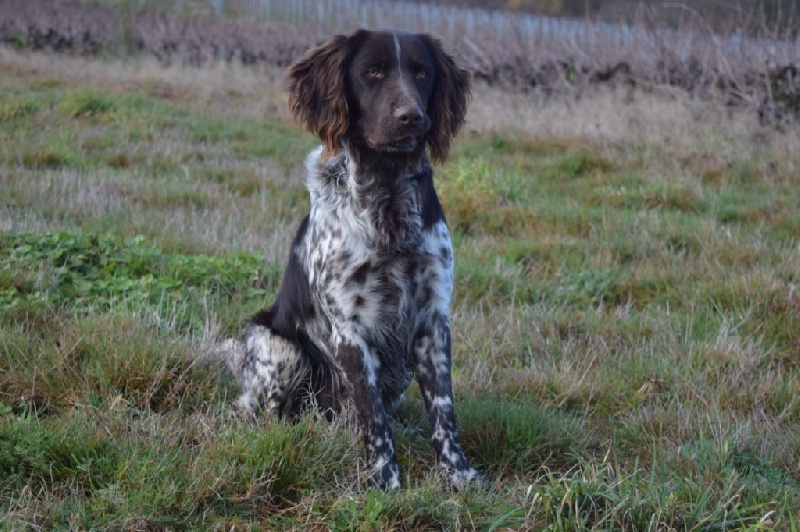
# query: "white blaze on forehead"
{"points": [[405, 90], [396, 47]]}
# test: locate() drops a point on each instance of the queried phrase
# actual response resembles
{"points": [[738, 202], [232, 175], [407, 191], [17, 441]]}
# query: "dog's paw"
{"points": [[385, 476], [460, 479]]}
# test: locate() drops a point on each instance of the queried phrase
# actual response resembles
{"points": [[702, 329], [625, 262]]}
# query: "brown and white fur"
{"points": [[364, 304]]}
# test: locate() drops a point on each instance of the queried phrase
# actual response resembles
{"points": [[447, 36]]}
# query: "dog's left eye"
{"points": [[422, 74]]}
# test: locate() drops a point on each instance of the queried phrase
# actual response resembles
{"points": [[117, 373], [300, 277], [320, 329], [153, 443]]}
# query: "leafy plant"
{"points": [[89, 272]]}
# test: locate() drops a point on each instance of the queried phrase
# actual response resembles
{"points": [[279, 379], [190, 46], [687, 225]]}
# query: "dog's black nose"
{"points": [[409, 115]]}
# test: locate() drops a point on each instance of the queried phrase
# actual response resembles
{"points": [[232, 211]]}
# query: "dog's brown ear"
{"points": [[448, 107], [316, 86]]}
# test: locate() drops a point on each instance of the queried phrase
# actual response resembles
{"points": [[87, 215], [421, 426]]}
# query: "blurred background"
{"points": [[744, 52]]}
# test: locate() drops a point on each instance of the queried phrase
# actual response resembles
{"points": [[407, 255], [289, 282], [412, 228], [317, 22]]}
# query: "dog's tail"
{"points": [[232, 351]]}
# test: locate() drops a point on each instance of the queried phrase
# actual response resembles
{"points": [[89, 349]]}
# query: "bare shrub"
{"points": [[197, 40], [58, 25], [752, 63]]}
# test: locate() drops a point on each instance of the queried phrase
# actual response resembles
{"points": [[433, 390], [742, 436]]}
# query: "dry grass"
{"points": [[615, 116]]}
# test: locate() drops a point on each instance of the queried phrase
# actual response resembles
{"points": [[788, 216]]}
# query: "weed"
{"points": [[48, 158], [92, 272], [14, 110], [517, 437], [88, 103]]}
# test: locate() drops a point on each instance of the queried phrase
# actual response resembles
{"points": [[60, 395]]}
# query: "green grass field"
{"points": [[626, 321]]}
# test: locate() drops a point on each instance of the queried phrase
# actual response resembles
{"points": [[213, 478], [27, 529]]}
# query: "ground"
{"points": [[626, 323]]}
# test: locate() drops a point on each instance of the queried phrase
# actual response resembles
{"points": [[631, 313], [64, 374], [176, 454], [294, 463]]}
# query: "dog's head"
{"points": [[390, 91]]}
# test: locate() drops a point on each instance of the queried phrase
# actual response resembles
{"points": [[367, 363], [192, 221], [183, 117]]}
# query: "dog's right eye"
{"points": [[374, 73]]}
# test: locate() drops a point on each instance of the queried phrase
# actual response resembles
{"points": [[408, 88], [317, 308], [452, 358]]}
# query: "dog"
{"points": [[364, 303]]}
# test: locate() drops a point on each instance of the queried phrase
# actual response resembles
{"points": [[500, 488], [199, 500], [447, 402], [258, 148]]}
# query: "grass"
{"points": [[625, 324]]}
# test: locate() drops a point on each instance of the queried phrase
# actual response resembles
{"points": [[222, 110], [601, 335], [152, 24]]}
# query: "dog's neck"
{"points": [[368, 165], [363, 186], [364, 170]]}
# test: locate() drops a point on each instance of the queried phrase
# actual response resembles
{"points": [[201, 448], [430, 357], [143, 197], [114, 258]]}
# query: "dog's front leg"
{"points": [[433, 366], [360, 366]]}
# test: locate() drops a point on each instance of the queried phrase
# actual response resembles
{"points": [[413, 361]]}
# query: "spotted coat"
{"points": [[363, 308]]}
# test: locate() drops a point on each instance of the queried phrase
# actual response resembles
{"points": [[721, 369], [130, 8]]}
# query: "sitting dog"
{"points": [[364, 303]]}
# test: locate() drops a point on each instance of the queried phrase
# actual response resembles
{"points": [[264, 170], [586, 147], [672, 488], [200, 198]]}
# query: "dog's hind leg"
{"points": [[269, 372]]}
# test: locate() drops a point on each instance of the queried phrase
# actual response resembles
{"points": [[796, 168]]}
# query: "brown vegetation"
{"points": [[88, 28], [512, 51], [719, 14]]}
